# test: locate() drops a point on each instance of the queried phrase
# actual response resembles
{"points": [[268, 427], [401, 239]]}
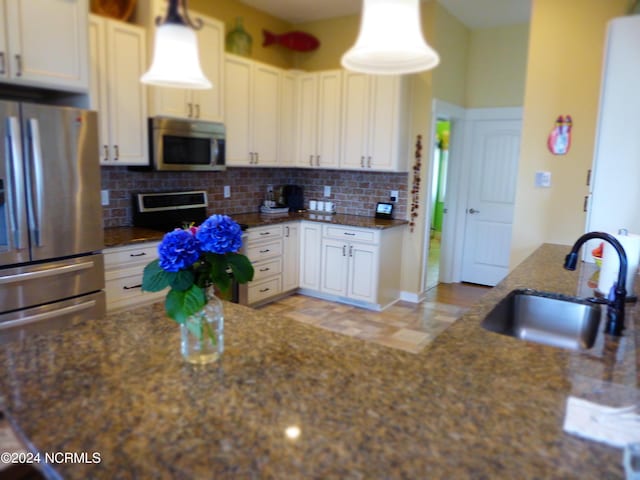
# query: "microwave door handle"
{"points": [[15, 181], [215, 151], [36, 206]]}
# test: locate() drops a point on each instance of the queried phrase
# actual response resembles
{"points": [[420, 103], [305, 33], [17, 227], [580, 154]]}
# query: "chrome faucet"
{"points": [[615, 305]]}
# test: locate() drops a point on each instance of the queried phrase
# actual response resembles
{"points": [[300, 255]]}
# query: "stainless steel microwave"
{"points": [[177, 144]]}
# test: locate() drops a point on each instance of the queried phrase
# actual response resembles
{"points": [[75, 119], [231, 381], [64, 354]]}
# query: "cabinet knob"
{"points": [[351, 250], [190, 107], [344, 250], [117, 152], [106, 153], [362, 161], [2, 66]]}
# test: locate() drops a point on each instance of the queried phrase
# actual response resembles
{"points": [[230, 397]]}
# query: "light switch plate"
{"points": [[393, 195], [543, 179], [327, 191], [104, 197], [227, 191]]}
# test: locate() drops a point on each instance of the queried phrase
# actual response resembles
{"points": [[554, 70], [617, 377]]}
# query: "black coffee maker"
{"points": [[293, 196]]}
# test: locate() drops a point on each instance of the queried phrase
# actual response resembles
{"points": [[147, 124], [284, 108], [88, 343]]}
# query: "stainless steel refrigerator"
{"points": [[51, 265]]}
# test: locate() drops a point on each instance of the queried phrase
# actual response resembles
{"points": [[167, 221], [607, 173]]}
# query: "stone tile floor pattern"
{"points": [[407, 326]]}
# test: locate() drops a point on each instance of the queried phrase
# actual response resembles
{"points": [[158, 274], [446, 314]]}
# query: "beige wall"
{"points": [[451, 40], [497, 67], [254, 21], [563, 77]]}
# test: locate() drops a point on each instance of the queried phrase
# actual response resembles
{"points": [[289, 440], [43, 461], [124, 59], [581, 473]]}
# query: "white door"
{"points": [[264, 114], [307, 119], [310, 255], [208, 104], [356, 121], [495, 149], [237, 110], [363, 272], [38, 33], [334, 267], [127, 96], [328, 112], [290, 256]]}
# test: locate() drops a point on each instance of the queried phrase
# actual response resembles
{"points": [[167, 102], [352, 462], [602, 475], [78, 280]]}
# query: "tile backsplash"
{"points": [[353, 192]]}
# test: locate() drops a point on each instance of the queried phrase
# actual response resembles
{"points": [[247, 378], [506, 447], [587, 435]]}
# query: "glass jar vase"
{"points": [[202, 334]]}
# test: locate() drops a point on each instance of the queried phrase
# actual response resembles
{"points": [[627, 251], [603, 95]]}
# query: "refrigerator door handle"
{"points": [[38, 317], [15, 184], [23, 277], [36, 206]]}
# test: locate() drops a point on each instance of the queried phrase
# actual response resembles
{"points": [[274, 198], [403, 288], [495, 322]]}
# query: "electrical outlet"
{"points": [[393, 195], [227, 191], [327, 191], [104, 197], [543, 179], [269, 188]]}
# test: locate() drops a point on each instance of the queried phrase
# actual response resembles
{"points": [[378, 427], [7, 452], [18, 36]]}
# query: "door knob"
{"points": [[473, 211]]}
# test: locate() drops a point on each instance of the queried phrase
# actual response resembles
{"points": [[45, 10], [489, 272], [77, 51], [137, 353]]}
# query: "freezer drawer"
{"points": [[45, 318], [37, 284]]}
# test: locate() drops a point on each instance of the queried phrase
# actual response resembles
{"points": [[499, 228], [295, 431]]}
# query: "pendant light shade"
{"points": [[390, 40], [176, 62]]}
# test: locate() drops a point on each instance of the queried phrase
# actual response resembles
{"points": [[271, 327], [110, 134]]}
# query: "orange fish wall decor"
{"points": [[298, 41]]}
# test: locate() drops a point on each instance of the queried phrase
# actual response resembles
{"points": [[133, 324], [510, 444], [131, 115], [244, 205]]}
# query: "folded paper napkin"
{"points": [[614, 426]]}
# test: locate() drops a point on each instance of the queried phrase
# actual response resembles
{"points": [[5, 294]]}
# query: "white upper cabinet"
{"points": [[375, 128], [116, 92], [184, 103], [288, 119], [318, 119], [44, 44], [252, 106]]}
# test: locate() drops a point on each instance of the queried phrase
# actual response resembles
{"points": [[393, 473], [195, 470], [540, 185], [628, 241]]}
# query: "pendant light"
{"points": [[176, 62], [390, 40]]}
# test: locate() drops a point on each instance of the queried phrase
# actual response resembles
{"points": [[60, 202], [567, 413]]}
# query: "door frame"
{"points": [[458, 180]]}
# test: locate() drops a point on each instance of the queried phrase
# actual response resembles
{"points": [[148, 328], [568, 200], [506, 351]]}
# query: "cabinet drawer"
{"points": [[124, 256], [358, 234], [267, 269], [263, 290], [263, 233], [264, 251], [121, 287]]}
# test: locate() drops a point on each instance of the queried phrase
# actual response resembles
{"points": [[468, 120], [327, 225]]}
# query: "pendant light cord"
{"points": [[173, 16]]}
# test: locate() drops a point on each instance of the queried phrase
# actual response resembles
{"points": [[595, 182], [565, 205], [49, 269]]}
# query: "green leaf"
{"points": [[154, 278], [241, 267], [218, 274], [182, 280], [179, 305]]}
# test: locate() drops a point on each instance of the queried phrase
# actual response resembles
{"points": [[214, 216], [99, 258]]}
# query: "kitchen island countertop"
{"points": [[472, 404], [121, 236]]}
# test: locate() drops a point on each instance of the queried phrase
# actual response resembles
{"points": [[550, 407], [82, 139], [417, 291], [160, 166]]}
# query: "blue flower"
{"points": [[219, 234], [178, 250]]}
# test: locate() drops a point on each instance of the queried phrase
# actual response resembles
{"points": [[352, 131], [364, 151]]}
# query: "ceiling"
{"points": [[473, 13]]}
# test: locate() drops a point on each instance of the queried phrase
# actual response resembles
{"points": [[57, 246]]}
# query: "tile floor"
{"points": [[407, 326]]}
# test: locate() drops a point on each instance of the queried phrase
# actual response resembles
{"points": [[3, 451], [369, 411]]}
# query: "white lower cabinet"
{"points": [[350, 269], [291, 256], [310, 255], [123, 275], [264, 248], [359, 266]]}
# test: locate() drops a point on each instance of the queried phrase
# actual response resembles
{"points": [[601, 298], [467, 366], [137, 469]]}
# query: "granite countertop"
{"points": [[472, 404], [121, 236]]}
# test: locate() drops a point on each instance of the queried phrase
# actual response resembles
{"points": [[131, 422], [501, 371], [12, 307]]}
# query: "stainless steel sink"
{"points": [[548, 318]]}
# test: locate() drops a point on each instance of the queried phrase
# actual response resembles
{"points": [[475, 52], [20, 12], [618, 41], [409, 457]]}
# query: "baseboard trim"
{"points": [[413, 297]]}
